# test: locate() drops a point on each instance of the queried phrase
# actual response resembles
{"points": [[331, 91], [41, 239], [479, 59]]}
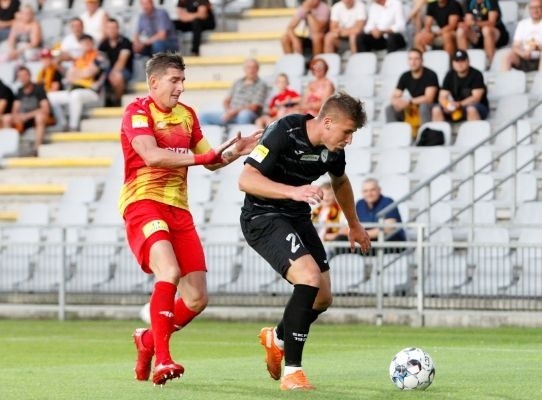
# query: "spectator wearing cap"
{"points": [[84, 80], [155, 31], [31, 108], [94, 19], [118, 50], [49, 75], [463, 95]]}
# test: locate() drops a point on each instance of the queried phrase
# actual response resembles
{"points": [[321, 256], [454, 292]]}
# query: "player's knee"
{"points": [[197, 303]]}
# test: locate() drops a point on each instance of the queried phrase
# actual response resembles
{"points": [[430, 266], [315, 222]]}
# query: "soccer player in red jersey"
{"points": [[161, 137]]}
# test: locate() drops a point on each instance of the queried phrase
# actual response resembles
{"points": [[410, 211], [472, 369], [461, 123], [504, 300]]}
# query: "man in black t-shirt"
{"points": [[118, 50], [421, 83], [276, 221], [6, 99], [463, 95], [31, 108], [439, 27], [195, 16]]}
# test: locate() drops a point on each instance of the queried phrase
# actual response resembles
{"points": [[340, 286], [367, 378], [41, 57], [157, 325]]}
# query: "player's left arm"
{"points": [[345, 197]]}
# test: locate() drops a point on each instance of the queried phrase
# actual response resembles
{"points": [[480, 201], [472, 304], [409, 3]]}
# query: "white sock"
{"points": [[291, 370], [278, 342]]}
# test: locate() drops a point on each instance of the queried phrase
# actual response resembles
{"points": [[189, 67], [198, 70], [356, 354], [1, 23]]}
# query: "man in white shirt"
{"points": [[384, 28], [94, 20], [525, 52], [347, 20], [70, 48]]}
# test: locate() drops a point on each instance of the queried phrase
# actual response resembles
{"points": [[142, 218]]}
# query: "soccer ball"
{"points": [[145, 313], [412, 368]]}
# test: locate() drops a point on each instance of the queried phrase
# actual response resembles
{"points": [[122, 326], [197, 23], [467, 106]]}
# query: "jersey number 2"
{"points": [[294, 246]]}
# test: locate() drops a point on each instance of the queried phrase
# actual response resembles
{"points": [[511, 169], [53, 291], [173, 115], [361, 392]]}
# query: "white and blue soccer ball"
{"points": [[412, 368]]}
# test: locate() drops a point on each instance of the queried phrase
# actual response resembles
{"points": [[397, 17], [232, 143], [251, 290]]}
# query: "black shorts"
{"points": [[279, 239]]}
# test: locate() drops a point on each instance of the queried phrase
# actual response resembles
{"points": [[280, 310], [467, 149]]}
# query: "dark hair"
{"points": [[23, 68], [110, 19], [415, 50], [316, 60], [160, 62], [342, 105], [86, 36]]}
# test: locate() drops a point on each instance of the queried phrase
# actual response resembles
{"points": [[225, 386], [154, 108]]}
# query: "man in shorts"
{"points": [[160, 138], [276, 219]]}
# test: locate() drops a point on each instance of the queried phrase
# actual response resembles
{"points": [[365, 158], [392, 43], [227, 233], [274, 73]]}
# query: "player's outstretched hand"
{"points": [[357, 234], [245, 144], [308, 193]]}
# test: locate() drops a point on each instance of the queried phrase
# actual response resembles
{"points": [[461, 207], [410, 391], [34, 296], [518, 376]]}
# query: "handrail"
{"points": [[447, 168]]}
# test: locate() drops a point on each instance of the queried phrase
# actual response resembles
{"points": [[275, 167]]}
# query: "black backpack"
{"points": [[430, 137]]}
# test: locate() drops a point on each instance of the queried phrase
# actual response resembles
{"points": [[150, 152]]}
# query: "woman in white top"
{"points": [[94, 20]]}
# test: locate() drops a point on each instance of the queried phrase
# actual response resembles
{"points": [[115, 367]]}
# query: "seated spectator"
{"points": [[415, 15], [155, 32], [94, 20], [281, 104], [30, 108], [527, 44], [309, 24], [195, 16], [384, 28], [371, 203], [70, 46], [441, 20], [6, 100], [318, 89], [326, 217], [8, 11], [347, 20], [84, 80], [482, 27], [49, 76], [463, 95], [118, 50], [421, 83], [245, 101], [24, 40]]}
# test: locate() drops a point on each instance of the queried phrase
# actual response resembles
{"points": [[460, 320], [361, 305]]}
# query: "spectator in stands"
{"points": [[415, 14], [318, 89], [8, 10], [31, 108], [284, 102], [155, 32], [527, 44], [118, 50], [371, 203], [441, 20], [421, 83], [94, 20], [49, 75], [245, 101], [24, 40], [347, 20], [84, 79], [309, 24], [384, 28], [6, 100], [70, 46], [195, 16], [463, 95], [482, 27]]}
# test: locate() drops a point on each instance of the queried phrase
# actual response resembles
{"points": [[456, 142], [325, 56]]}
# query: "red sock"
{"points": [[183, 315], [147, 339], [162, 303]]}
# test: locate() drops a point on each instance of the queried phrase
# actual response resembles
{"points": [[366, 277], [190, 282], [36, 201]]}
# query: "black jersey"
{"points": [[285, 155]]}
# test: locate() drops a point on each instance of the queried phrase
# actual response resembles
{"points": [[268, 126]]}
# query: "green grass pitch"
{"points": [[79, 360]]}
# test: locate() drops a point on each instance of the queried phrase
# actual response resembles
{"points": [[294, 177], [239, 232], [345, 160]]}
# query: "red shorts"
{"points": [[149, 221]]}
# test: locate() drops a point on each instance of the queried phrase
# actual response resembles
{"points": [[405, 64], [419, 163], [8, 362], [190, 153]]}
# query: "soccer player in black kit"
{"points": [[276, 221]]}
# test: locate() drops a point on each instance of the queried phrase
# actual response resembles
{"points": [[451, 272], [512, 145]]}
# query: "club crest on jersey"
{"points": [[155, 226], [140, 121], [324, 155], [259, 153]]}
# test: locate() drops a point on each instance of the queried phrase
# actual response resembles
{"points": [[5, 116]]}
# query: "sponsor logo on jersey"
{"points": [[298, 152], [259, 153], [178, 150], [155, 226], [140, 121], [310, 157]]}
